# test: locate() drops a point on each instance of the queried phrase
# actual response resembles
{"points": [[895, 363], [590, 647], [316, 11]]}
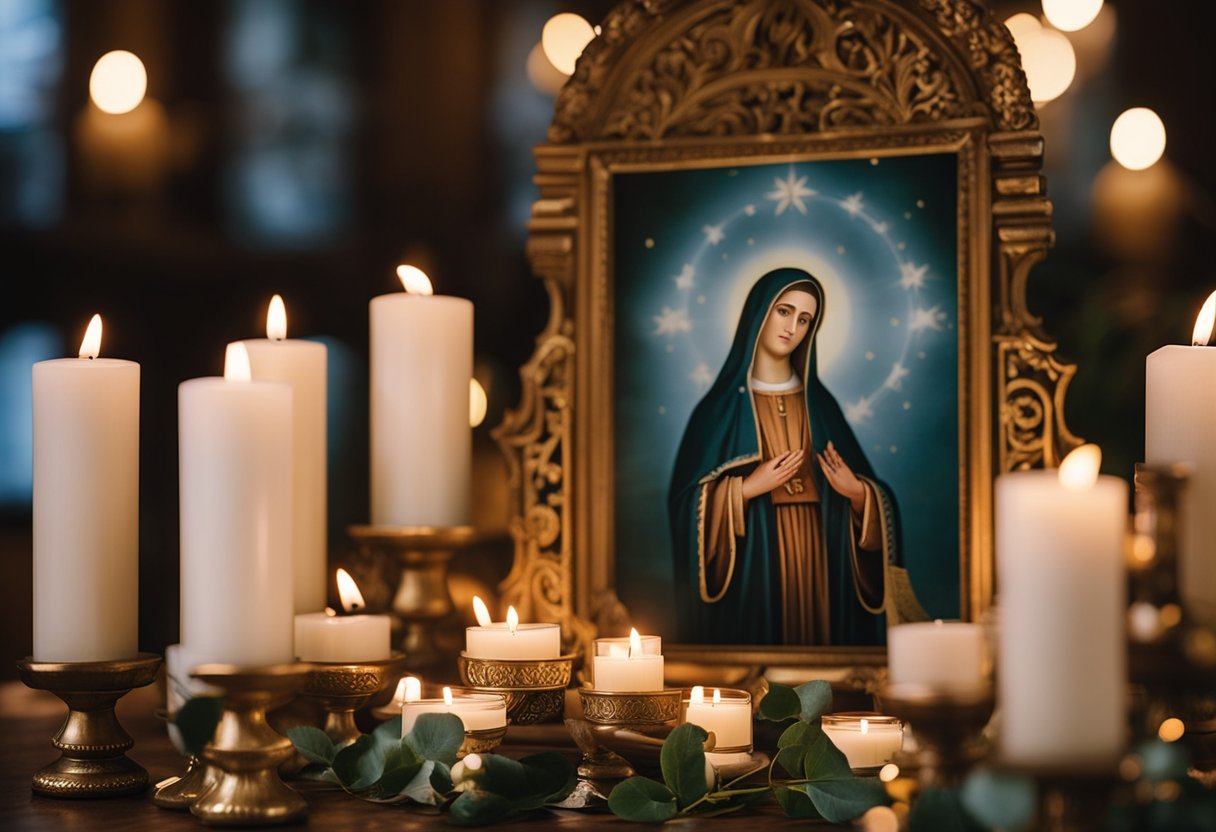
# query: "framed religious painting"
{"points": [[786, 247]]}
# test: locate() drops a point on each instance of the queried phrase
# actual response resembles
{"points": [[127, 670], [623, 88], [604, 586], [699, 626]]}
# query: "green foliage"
{"points": [[682, 760], [807, 702], [196, 721], [999, 799], [436, 737], [940, 810], [643, 800], [840, 799], [313, 744]]}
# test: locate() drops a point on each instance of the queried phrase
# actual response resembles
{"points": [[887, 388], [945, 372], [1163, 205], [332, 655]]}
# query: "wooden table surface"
{"points": [[28, 720]]}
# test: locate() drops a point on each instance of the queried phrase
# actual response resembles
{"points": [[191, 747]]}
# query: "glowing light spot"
{"points": [[118, 82], [478, 403], [1071, 15], [1048, 58], [649, 242], [564, 38], [1205, 321], [90, 345], [888, 772], [1171, 730], [1137, 138]]}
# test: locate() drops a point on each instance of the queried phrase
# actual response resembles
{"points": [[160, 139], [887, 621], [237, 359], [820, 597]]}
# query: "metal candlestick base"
{"points": [[344, 688], [947, 728], [1073, 801], [245, 751], [94, 745], [179, 793], [535, 689], [482, 741], [645, 714]]}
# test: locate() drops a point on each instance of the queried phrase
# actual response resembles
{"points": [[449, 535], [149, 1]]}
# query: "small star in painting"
{"points": [[790, 191]]}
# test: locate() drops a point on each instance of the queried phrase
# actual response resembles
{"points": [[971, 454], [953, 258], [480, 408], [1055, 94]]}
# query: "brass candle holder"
{"points": [[535, 689], [93, 762], [180, 793], [482, 741], [246, 752], [647, 716], [341, 689], [947, 726]]}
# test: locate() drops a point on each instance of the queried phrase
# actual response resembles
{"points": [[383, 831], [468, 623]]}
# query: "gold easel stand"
{"points": [[246, 752], [94, 761]]}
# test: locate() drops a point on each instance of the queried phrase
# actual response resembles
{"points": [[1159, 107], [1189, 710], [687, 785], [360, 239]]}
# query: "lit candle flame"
{"points": [[697, 697], [1079, 470], [330, 612], [1205, 323], [635, 642], [717, 696], [236, 363], [512, 620], [414, 280], [482, 612], [90, 346], [348, 592], [409, 689], [276, 319], [865, 726], [447, 696]]}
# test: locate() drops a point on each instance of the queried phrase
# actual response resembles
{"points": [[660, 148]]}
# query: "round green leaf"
{"points": [[401, 765], [642, 800], [814, 698], [939, 810], [682, 760], [196, 721], [780, 703], [360, 764], [313, 744], [999, 799], [842, 799], [823, 760], [551, 777], [794, 803], [436, 737], [478, 808]]}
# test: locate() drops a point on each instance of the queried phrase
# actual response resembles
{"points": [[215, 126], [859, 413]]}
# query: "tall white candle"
{"points": [[86, 506], [943, 655], [235, 469], [1180, 396], [421, 442], [1062, 648], [509, 639], [328, 637], [635, 671], [300, 364]]}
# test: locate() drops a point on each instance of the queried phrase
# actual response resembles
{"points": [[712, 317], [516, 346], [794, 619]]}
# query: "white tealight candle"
{"points": [[86, 506], [634, 672], [509, 639], [478, 711], [727, 714], [1059, 558], [344, 639], [944, 656], [866, 740]]}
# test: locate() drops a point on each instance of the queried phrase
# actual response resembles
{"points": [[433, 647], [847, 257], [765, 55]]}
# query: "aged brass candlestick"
{"points": [[246, 752], [947, 726], [93, 762], [535, 689], [344, 688], [180, 793], [645, 714]]}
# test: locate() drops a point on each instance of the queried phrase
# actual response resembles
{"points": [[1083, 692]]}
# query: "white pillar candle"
{"points": [[235, 469], [478, 711], [509, 639], [635, 671], [421, 442], [86, 506], [725, 713], [866, 740], [943, 655], [301, 365], [1062, 647], [1180, 396], [343, 639]]}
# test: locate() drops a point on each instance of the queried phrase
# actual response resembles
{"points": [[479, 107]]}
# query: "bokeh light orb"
{"points": [[1137, 138], [1071, 15], [543, 75], [118, 82], [1022, 23], [1048, 59], [478, 403], [564, 38]]}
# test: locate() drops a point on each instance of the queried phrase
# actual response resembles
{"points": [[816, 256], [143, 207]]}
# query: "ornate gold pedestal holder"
{"points": [[246, 752], [178, 793], [947, 728], [94, 745], [535, 689], [344, 688], [650, 714]]}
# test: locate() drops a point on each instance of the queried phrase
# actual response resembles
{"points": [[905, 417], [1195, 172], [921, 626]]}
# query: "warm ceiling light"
{"points": [[564, 38], [478, 404], [90, 345], [1079, 470], [1137, 138], [1071, 15], [118, 82]]}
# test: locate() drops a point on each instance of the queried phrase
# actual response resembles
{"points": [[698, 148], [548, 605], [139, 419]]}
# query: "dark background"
{"points": [[312, 146]]}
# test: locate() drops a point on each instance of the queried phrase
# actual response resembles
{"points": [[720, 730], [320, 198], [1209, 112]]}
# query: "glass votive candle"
{"points": [[478, 711], [628, 665], [726, 713], [868, 740]]}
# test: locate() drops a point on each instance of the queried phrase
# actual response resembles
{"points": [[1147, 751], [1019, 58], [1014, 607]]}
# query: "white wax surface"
{"points": [[1062, 650], [236, 564], [342, 638], [627, 674], [86, 509], [944, 655], [476, 712], [876, 747], [529, 641], [301, 364], [1180, 396], [730, 720], [421, 442]]}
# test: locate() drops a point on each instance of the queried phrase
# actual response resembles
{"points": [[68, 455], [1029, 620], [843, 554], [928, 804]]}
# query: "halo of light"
{"points": [[1022, 23], [118, 82], [1049, 61], [564, 38], [478, 403], [1137, 138], [1071, 15], [543, 74]]}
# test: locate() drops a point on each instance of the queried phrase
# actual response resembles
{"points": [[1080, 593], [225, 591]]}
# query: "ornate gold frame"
{"points": [[677, 84]]}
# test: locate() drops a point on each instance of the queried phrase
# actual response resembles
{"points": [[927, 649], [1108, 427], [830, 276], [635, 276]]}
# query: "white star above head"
{"points": [[859, 411], [714, 233], [932, 318], [853, 205], [672, 321], [684, 278], [895, 379], [700, 375], [789, 192], [912, 276]]}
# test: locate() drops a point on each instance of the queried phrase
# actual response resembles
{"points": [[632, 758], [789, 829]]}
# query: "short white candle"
{"points": [[943, 655], [235, 470], [1062, 649], [866, 740], [725, 713], [509, 639], [300, 364], [421, 442], [86, 506], [636, 671], [1180, 397], [478, 711], [328, 637]]}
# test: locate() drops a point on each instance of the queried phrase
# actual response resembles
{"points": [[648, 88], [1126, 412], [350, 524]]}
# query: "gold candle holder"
{"points": [[93, 762], [647, 715], [947, 726], [341, 689], [482, 741], [179, 793], [535, 689], [246, 752]]}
